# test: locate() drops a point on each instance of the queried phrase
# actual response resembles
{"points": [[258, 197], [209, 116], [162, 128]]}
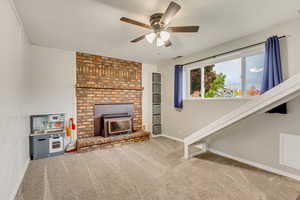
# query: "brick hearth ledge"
{"points": [[92, 143]]}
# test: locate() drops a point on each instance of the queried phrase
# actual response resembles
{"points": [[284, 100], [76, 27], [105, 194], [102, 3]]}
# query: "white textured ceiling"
{"points": [[93, 25]]}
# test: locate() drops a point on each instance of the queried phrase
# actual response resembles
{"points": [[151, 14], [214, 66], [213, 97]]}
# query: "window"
{"points": [[230, 78], [195, 90], [223, 79], [254, 66]]}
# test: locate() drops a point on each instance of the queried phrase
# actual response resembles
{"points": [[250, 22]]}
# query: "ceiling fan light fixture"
{"points": [[164, 36], [150, 37], [159, 42], [159, 25]]}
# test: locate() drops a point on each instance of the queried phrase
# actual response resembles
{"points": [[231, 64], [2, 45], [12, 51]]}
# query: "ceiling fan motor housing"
{"points": [[159, 24], [155, 21]]}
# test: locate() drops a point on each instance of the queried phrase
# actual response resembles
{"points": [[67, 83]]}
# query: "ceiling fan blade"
{"points": [[191, 29], [168, 43], [131, 21], [138, 39], [171, 11]]}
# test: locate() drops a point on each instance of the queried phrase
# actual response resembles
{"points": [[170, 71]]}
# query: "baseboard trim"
{"points": [[172, 138], [155, 136], [248, 162], [14, 194], [257, 165]]}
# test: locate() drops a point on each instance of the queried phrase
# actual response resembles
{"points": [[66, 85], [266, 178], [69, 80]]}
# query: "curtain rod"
{"points": [[232, 51]]}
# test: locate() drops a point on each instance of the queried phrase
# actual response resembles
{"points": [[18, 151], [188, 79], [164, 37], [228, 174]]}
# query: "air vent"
{"points": [[289, 148]]}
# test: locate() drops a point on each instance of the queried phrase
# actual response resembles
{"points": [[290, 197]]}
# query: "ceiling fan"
{"points": [[159, 24]]}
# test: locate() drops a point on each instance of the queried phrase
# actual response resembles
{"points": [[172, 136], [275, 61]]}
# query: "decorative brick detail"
{"points": [[92, 143], [103, 72], [103, 80]]}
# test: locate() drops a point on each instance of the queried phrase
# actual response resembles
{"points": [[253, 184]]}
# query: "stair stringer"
{"points": [[278, 95]]}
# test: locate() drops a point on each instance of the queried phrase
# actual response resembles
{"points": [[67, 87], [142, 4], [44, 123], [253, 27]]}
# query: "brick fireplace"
{"points": [[106, 81]]}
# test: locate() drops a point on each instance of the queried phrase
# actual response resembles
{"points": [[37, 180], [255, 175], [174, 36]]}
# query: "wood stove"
{"points": [[116, 124], [113, 119]]}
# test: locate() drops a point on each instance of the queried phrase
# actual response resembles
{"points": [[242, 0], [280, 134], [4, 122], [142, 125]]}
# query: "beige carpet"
{"points": [[151, 170]]}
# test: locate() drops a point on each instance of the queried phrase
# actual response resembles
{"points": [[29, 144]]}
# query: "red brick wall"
{"points": [[103, 80]]}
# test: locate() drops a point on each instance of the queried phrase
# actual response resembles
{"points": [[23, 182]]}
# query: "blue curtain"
{"points": [[178, 87], [272, 74]]}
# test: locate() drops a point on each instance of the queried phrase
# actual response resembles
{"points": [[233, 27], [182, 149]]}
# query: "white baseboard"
{"points": [[172, 138], [257, 165], [155, 136], [248, 162], [13, 195]]}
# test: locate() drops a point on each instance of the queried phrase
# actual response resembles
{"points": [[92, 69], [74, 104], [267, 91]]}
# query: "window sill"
{"points": [[220, 98]]}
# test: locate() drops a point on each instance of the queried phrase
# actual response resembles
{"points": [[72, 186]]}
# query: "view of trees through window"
{"points": [[195, 82], [232, 78], [213, 81]]}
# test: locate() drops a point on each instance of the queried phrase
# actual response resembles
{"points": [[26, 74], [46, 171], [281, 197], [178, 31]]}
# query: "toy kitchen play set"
{"points": [[47, 135]]}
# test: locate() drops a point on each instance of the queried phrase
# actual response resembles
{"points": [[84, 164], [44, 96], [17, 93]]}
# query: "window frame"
{"points": [[240, 54]]}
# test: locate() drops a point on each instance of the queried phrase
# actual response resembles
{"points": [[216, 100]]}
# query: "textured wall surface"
{"points": [[14, 90], [52, 81]]}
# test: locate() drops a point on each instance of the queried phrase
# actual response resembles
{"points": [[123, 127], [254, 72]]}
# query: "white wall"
{"points": [[147, 71], [255, 139], [46, 85], [53, 80], [14, 120], [53, 75]]}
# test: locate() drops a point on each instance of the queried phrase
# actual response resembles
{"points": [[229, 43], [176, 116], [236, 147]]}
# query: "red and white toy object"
{"points": [[71, 146]]}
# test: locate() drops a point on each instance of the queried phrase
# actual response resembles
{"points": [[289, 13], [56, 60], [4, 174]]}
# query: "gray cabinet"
{"points": [[46, 145], [39, 146]]}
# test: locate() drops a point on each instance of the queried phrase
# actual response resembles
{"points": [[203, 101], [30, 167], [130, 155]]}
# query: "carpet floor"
{"points": [[152, 170]]}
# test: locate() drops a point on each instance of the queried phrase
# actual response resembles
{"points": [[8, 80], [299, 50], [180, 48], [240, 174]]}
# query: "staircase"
{"points": [[278, 95]]}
